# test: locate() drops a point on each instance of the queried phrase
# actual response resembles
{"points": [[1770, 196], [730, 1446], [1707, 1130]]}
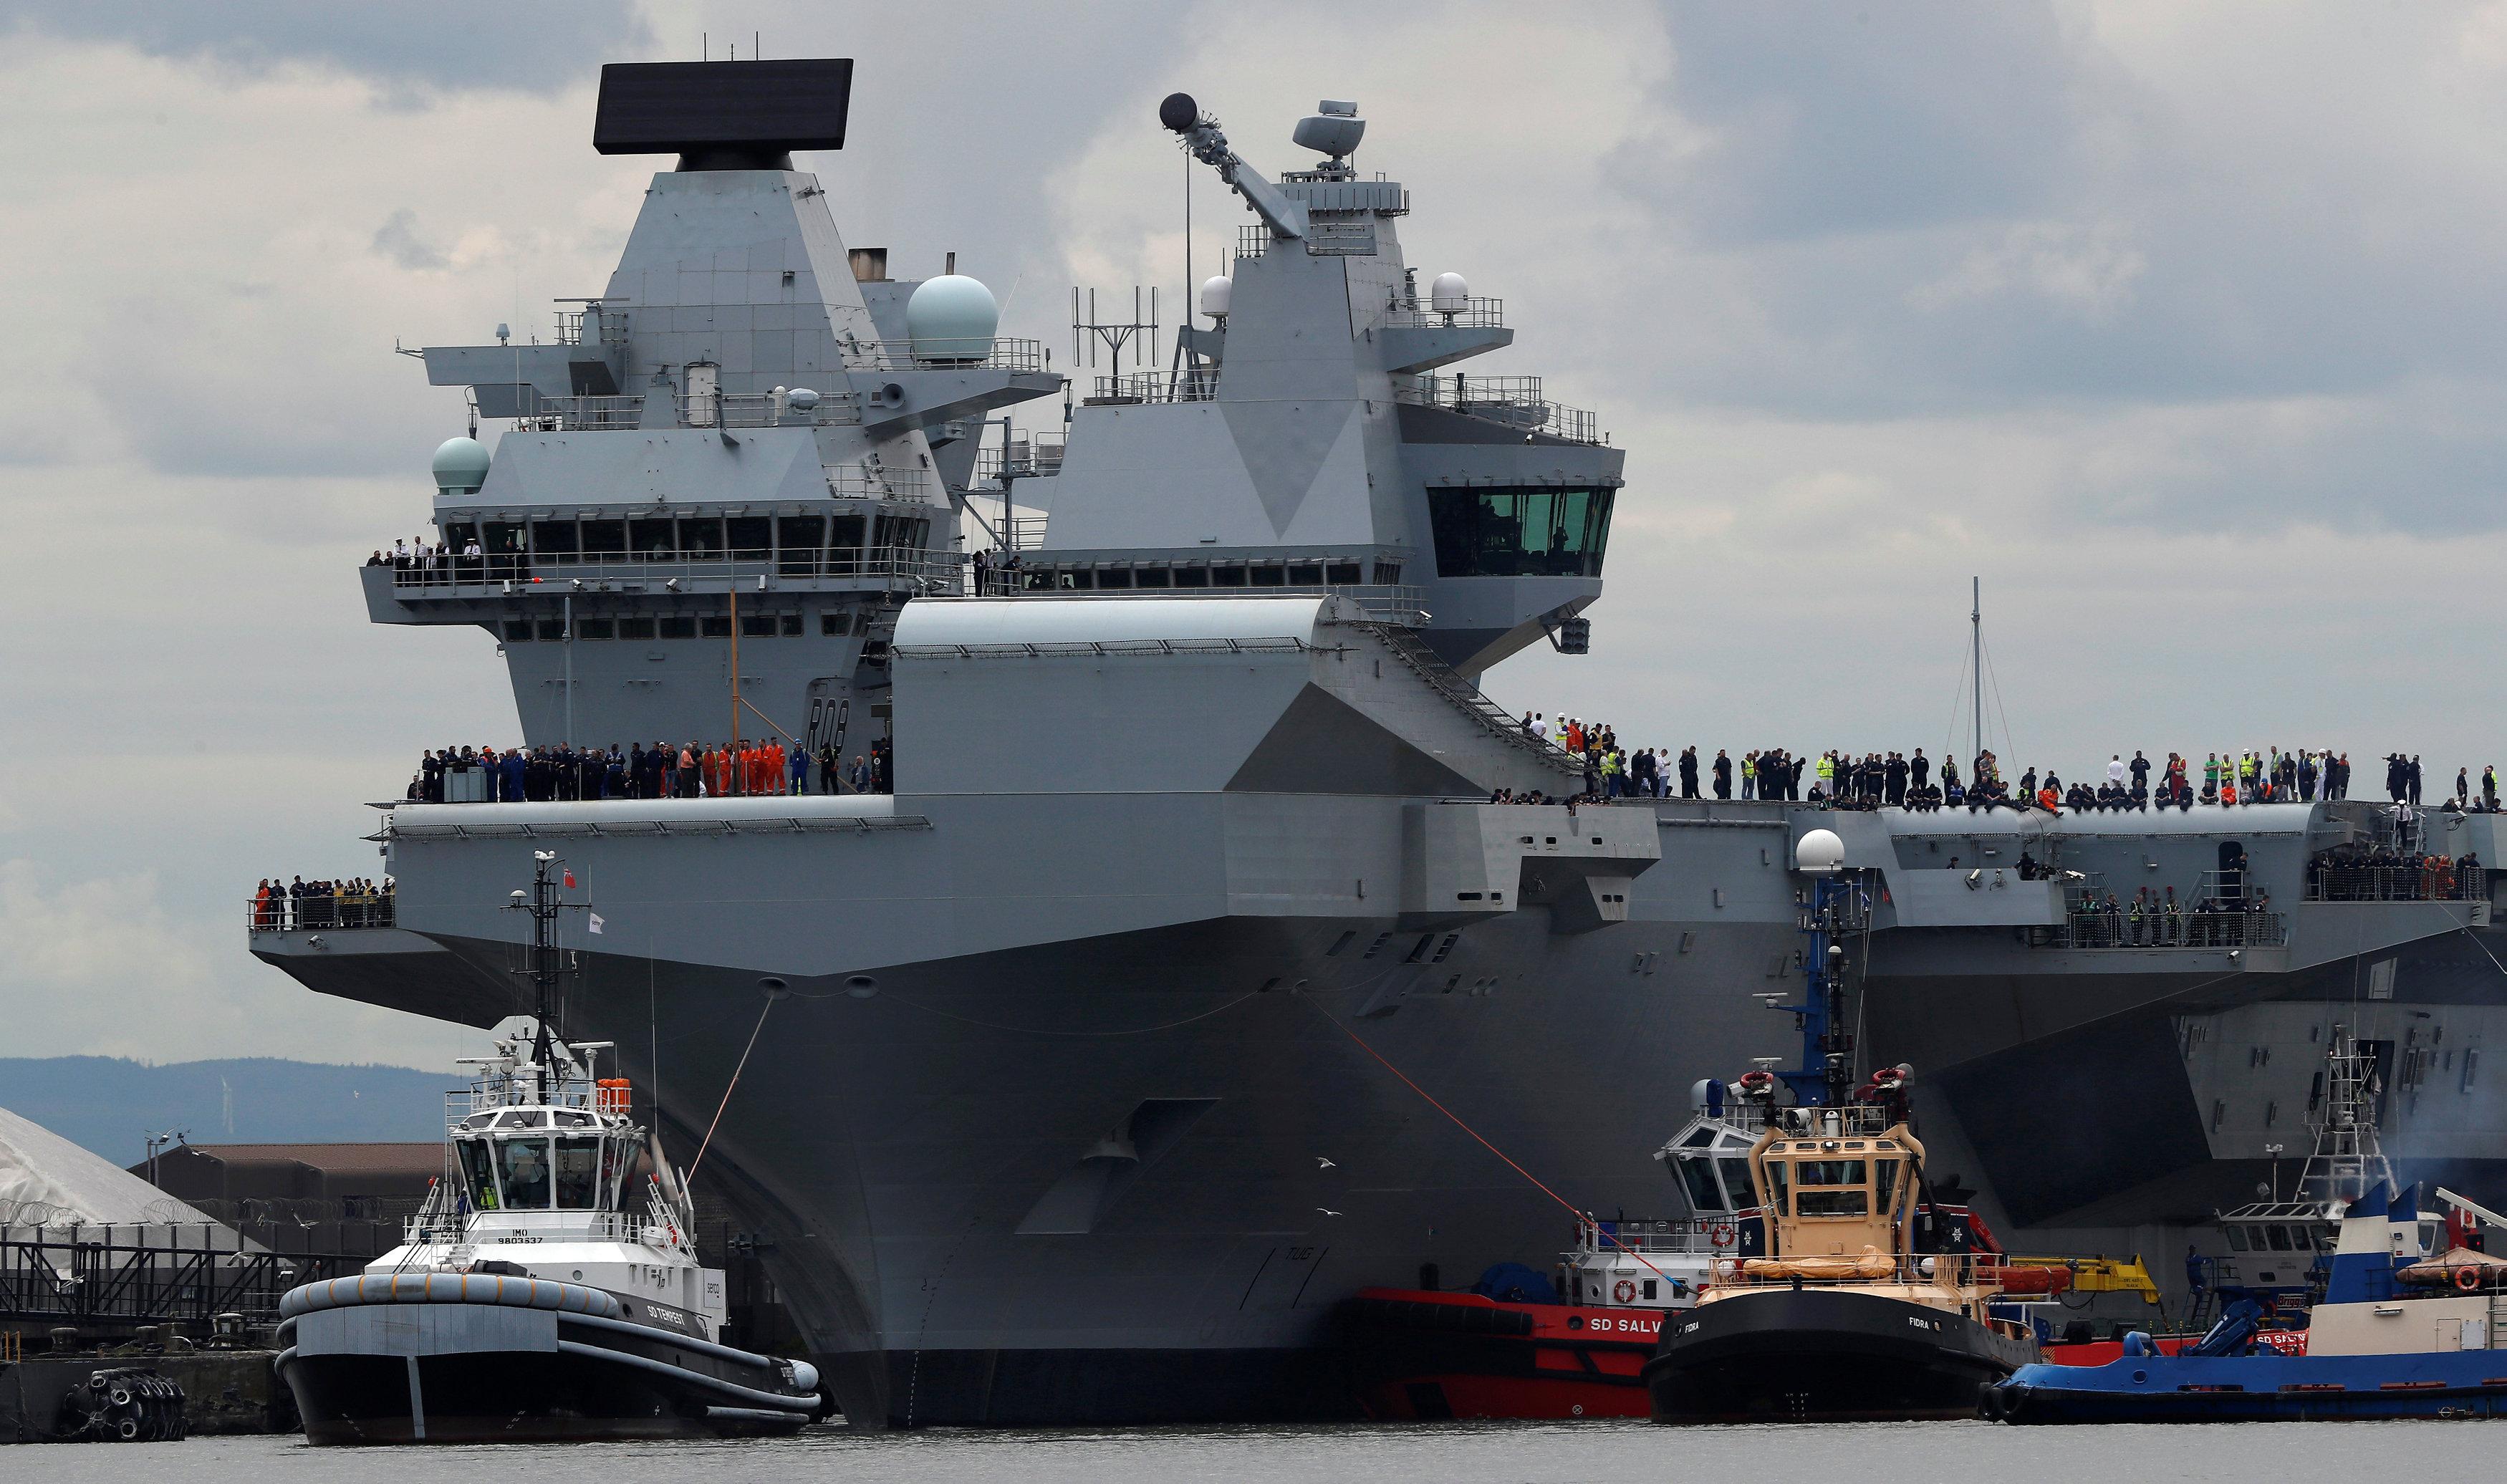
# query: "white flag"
{"points": [[596, 921]]}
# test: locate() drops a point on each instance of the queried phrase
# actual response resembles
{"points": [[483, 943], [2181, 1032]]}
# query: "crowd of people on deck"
{"points": [[742, 769], [1843, 778], [2154, 917], [294, 905], [2381, 873]]}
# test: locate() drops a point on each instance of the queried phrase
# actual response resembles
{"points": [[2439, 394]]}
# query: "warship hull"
{"points": [[1082, 1179]]}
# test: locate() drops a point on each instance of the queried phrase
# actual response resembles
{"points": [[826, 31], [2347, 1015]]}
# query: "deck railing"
{"points": [[931, 572], [2398, 884], [327, 913], [2100, 928]]}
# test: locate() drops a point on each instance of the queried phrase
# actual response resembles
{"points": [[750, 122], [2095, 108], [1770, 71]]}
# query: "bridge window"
{"points": [[1736, 1179], [2237, 1239], [594, 628], [653, 537], [800, 537], [553, 539], [553, 630], [844, 556], [758, 626], [1270, 577], [1520, 532], [1700, 1176], [1831, 1188], [517, 630], [1344, 574], [718, 627], [578, 1174], [678, 628], [635, 628], [479, 1173], [604, 538], [524, 1164], [749, 539], [702, 537], [1305, 574], [1230, 576], [1192, 577], [1155, 577]]}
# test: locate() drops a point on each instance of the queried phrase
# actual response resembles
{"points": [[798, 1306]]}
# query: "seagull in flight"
{"points": [[1327, 1211], [1321, 1162]]}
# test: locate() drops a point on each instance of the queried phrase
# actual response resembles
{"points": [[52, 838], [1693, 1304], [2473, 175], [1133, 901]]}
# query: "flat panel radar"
{"points": [[723, 115]]}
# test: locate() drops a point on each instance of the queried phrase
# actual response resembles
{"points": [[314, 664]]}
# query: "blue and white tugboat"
{"points": [[549, 1290], [2400, 1333]]}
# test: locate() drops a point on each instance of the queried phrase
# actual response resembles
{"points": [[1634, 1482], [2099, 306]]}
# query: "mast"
{"points": [[1976, 655]]}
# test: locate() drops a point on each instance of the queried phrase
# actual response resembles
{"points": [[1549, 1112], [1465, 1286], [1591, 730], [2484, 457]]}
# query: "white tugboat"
{"points": [[549, 1290]]}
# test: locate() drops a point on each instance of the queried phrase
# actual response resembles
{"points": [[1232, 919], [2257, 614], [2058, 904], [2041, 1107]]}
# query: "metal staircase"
{"points": [[1465, 696]]}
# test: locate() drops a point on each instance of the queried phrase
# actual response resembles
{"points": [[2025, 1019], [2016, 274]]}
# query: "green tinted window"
{"points": [[1520, 532]]}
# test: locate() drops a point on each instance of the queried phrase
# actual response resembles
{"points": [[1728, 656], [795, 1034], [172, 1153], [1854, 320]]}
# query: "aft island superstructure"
{"points": [[1059, 1111]]}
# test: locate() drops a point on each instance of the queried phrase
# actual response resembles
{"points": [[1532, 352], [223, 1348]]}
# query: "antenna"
{"points": [[1138, 334]]}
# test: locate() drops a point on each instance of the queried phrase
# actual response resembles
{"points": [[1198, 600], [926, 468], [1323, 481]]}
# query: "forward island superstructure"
{"points": [[1061, 1105]]}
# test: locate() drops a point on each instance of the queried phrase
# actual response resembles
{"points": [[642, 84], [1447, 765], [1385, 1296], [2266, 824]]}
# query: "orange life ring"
{"points": [[1723, 1235], [2468, 1279], [1623, 1292]]}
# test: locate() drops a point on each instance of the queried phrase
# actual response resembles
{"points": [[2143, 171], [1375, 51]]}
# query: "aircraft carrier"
{"points": [[1066, 1103]]}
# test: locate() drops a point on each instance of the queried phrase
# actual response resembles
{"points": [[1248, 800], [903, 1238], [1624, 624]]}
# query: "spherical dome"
{"points": [[1216, 292], [460, 466], [952, 318], [1819, 853], [1449, 294]]}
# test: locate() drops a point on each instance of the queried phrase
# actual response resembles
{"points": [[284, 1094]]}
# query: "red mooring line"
{"points": [[1483, 1142]]}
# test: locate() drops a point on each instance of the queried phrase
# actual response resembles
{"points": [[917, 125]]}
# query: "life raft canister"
{"points": [[1623, 1292]]}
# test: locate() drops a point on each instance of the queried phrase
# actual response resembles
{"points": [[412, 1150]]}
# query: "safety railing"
{"points": [[1039, 456], [930, 571], [1516, 402], [1690, 1235], [610, 326], [2436, 882], [78, 1275], [1412, 312], [326, 912], [1199, 384], [2101, 928], [1002, 354]]}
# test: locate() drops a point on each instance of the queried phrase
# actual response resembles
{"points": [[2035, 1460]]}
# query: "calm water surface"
{"points": [[1581, 1452]]}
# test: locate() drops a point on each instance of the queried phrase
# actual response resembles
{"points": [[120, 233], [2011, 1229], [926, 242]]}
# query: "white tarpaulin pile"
{"points": [[47, 1180]]}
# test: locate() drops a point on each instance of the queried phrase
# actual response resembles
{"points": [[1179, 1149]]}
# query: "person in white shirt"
{"points": [[2116, 769]]}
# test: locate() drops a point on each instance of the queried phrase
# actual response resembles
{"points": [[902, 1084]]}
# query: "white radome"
{"points": [[1216, 292], [1449, 294], [952, 318], [1819, 854]]}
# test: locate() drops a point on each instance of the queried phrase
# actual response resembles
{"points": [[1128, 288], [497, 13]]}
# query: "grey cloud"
{"points": [[397, 239], [539, 46]]}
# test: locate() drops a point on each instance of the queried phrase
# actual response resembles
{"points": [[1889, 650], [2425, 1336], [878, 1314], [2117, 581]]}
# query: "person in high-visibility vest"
{"points": [[1828, 774]]}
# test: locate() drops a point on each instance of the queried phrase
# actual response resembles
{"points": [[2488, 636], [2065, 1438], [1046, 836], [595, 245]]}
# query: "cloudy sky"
{"points": [[2178, 324]]}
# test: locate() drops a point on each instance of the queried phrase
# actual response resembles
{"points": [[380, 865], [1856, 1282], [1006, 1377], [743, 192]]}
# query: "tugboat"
{"points": [[1867, 1307], [1854, 1297], [544, 1292], [1521, 1345], [2399, 1333]]}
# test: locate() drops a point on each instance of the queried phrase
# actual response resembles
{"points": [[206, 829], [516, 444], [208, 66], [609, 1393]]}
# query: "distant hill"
{"points": [[110, 1105]]}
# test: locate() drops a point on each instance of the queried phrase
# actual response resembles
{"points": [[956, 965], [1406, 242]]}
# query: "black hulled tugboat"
{"points": [[545, 1293], [1848, 1316], [1856, 1297]]}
